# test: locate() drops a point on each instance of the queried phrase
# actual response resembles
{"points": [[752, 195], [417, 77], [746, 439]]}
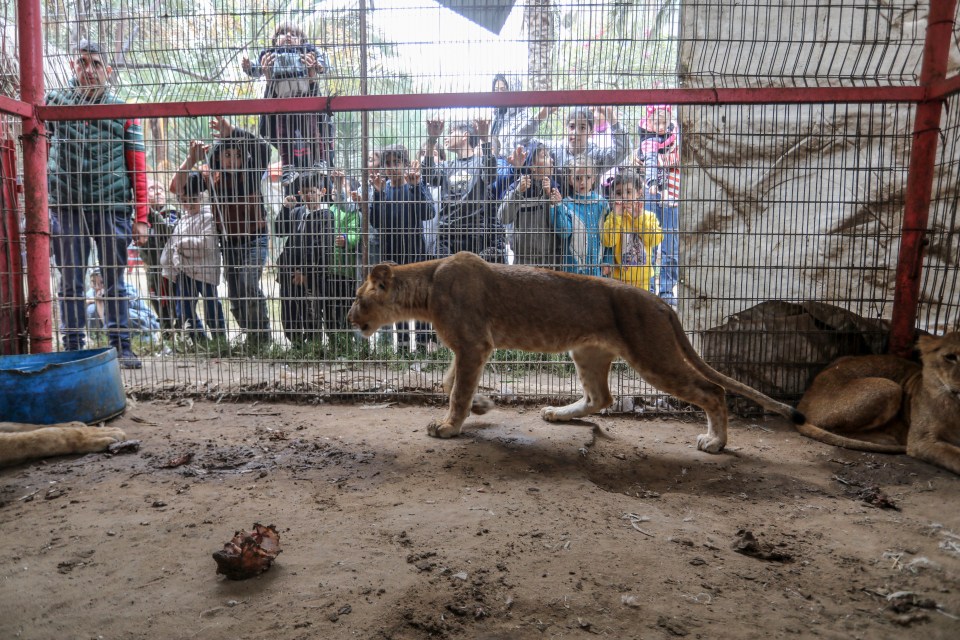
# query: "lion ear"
{"points": [[381, 276], [926, 344]]}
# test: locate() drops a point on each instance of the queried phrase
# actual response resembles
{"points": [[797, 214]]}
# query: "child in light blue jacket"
{"points": [[578, 220]]}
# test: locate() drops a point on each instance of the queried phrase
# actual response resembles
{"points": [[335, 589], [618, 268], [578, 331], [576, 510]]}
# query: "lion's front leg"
{"points": [[461, 383], [929, 446], [56, 441]]}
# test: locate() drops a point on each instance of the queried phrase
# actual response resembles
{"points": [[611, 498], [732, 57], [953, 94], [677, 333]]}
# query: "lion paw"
{"points": [[709, 443], [550, 414], [114, 434], [100, 438], [481, 405], [442, 430]]}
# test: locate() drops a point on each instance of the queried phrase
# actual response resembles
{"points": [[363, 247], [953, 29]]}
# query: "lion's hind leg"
{"points": [[865, 408], [593, 367], [677, 377]]}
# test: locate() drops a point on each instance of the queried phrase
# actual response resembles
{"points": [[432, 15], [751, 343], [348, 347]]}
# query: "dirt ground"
{"points": [[616, 527]]}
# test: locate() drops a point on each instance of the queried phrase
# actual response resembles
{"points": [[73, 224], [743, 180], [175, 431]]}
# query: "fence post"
{"points": [[37, 228], [923, 155]]}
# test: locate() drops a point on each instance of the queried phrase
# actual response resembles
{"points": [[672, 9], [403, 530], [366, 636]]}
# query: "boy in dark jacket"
{"points": [[306, 229], [468, 208], [401, 204], [314, 270]]}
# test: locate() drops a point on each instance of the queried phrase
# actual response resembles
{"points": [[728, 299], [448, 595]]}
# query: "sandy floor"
{"points": [[516, 529]]}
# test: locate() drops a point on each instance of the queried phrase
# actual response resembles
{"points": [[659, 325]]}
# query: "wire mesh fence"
{"points": [[261, 226]]}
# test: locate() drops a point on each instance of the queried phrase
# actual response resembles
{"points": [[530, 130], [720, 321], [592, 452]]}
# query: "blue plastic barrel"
{"points": [[45, 388]]}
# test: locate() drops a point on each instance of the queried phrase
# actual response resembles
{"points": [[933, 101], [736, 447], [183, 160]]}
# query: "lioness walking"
{"points": [[476, 306]]}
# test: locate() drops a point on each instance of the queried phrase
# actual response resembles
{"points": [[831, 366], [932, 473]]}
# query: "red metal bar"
{"points": [[15, 107], [13, 313], [923, 155], [830, 95], [945, 88], [40, 319]]}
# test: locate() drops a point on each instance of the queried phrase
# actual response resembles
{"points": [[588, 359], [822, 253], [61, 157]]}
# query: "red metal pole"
{"points": [[13, 340], [923, 155], [40, 320]]}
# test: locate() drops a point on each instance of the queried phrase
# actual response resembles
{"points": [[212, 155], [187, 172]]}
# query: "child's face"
{"points": [[231, 159], [582, 181], [659, 121], [578, 133], [191, 204], [542, 164], [393, 170], [156, 195], [457, 140], [312, 195], [624, 198], [288, 39], [500, 86]]}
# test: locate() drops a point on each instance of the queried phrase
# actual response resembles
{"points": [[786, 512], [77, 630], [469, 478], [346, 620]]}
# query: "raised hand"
{"points": [[518, 157], [198, 151], [483, 127], [266, 64], [412, 174], [434, 127], [309, 60], [611, 115], [221, 127]]}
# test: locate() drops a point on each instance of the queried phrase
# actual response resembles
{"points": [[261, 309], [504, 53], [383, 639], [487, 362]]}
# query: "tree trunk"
{"points": [[538, 16]]}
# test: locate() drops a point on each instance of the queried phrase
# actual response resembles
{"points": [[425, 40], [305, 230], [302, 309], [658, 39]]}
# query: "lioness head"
{"points": [[372, 307], [941, 361]]}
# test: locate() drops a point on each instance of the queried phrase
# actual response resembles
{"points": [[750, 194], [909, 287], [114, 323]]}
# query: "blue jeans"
{"points": [[188, 291], [243, 265], [74, 231], [668, 215]]}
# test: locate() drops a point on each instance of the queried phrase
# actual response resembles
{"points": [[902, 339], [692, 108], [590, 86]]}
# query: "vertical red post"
{"points": [[13, 339], [37, 228], [923, 155]]}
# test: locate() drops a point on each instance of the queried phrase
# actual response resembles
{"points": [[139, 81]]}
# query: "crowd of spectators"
{"points": [[595, 201]]}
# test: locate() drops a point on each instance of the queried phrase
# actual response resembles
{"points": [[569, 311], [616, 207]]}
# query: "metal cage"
{"points": [[815, 148]]}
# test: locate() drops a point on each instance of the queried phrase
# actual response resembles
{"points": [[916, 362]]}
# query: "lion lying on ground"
{"points": [[476, 306], [22, 442], [891, 405]]}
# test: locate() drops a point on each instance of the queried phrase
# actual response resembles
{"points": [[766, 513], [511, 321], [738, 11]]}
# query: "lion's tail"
{"points": [[731, 385], [765, 401], [828, 437]]}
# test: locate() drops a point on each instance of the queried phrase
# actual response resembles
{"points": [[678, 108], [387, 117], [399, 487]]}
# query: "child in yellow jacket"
{"points": [[630, 231]]}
